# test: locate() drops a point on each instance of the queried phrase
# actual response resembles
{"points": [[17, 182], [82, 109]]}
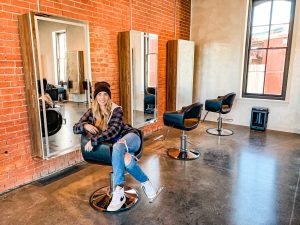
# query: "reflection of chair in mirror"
{"points": [[49, 89], [185, 119], [149, 103], [61, 93], [151, 90], [101, 155], [53, 94], [85, 88], [53, 116], [149, 100], [70, 85], [54, 121], [221, 105]]}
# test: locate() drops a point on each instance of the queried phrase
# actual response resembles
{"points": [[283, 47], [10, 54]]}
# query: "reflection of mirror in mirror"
{"points": [[63, 66], [144, 77]]}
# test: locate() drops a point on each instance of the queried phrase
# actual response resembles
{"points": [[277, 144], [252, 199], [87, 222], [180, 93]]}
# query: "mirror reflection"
{"points": [[144, 77], [62, 82]]}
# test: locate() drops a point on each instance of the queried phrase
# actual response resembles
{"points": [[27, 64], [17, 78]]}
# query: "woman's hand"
{"points": [[90, 128], [88, 147]]}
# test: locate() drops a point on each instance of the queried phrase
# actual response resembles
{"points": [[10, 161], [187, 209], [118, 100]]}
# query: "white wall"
{"points": [[185, 73], [75, 42], [219, 28], [138, 60]]}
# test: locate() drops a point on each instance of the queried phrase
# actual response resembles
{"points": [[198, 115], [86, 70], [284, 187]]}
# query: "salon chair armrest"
{"points": [[213, 105], [174, 119], [101, 154]]}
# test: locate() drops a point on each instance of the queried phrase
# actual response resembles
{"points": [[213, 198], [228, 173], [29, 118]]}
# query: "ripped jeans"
{"points": [[133, 142]]}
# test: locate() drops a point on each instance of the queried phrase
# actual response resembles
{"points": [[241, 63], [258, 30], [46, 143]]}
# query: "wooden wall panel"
{"points": [[172, 48], [81, 71], [125, 74]]}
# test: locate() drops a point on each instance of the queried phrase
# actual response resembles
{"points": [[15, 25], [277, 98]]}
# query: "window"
{"points": [[60, 55], [151, 51], [270, 26]]}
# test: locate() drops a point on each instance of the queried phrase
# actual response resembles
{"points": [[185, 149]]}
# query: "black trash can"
{"points": [[259, 118]]}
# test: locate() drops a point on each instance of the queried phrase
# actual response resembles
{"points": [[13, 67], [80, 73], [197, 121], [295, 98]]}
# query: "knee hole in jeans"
{"points": [[127, 159]]}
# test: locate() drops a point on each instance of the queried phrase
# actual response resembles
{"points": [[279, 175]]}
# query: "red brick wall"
{"points": [[106, 18]]}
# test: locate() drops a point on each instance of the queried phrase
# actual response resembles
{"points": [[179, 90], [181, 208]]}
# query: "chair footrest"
{"points": [[227, 119], [221, 132]]}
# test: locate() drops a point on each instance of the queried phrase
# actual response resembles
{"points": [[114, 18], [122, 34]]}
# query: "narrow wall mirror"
{"points": [[55, 53], [138, 55]]}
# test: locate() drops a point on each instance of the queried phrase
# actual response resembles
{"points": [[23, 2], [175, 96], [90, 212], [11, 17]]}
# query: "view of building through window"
{"points": [[152, 58], [268, 47]]}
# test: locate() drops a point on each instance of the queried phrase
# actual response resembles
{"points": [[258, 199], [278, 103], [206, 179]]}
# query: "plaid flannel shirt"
{"points": [[115, 127]]}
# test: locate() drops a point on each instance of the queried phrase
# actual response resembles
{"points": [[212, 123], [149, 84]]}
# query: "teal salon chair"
{"points": [[221, 105], [185, 119], [101, 155]]}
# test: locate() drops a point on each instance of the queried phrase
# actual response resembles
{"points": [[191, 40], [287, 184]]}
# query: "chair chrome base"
{"points": [[219, 132], [176, 153], [183, 153], [101, 198]]}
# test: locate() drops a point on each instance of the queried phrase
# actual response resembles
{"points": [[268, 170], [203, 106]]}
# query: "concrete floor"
{"points": [[249, 178]]}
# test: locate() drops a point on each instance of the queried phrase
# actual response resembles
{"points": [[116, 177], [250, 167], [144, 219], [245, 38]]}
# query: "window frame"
{"points": [[248, 48]]}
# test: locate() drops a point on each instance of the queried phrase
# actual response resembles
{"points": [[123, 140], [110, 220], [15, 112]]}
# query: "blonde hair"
{"points": [[101, 116]]}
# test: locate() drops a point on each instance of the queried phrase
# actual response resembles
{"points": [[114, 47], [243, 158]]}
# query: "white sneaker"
{"points": [[118, 199], [149, 190]]}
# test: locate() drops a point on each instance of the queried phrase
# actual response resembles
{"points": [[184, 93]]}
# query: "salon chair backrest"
{"points": [[228, 99], [54, 121], [222, 104], [187, 118], [151, 90]]}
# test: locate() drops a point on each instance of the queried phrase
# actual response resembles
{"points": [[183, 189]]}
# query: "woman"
{"points": [[104, 122]]}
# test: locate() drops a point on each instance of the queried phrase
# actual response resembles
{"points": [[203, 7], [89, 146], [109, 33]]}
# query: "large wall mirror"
{"points": [[57, 75], [138, 55]]}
